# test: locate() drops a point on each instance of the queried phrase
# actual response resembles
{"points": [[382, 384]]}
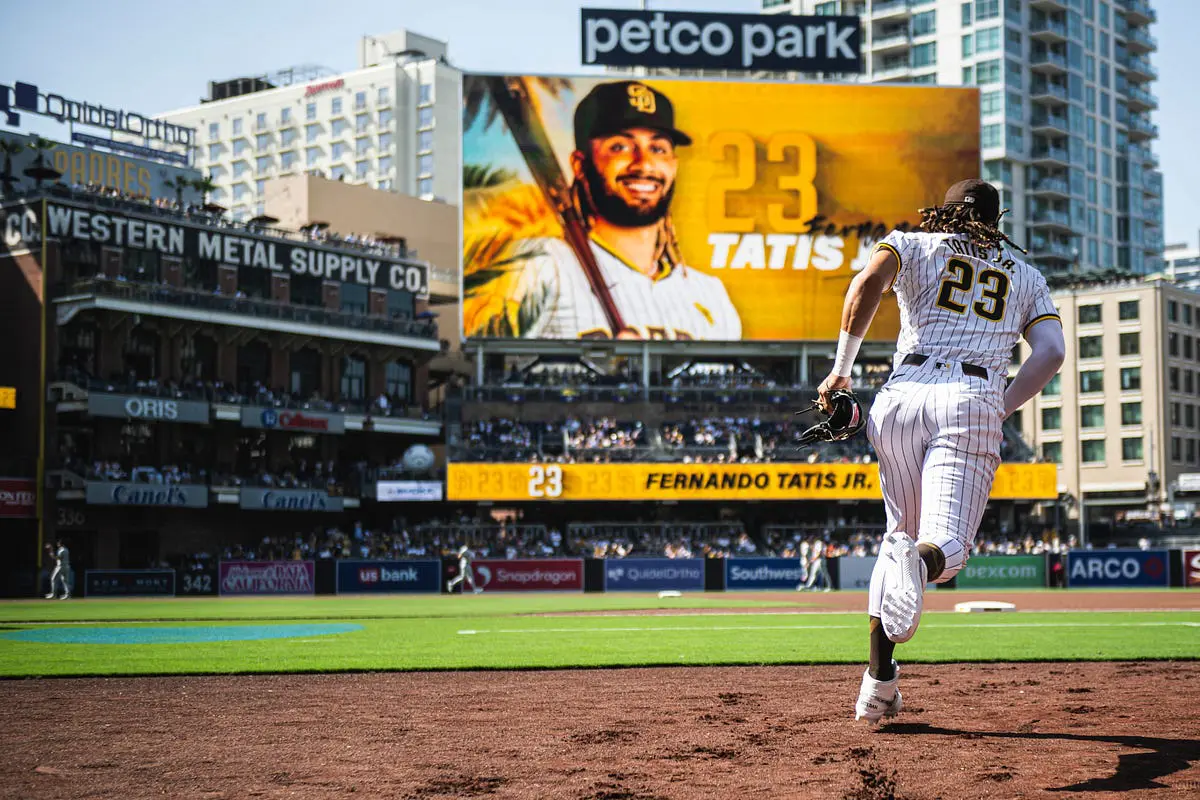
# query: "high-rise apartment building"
{"points": [[392, 124], [1065, 111]]}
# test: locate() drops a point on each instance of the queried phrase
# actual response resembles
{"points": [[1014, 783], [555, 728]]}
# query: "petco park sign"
{"points": [[690, 39]]}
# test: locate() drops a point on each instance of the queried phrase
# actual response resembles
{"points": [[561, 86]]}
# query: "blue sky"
{"points": [[155, 55]]}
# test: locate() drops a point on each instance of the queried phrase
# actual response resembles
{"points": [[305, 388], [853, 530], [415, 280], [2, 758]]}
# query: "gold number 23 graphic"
{"points": [[994, 297]]}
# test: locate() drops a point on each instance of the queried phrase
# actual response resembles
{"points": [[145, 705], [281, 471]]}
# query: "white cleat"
{"points": [[878, 699], [903, 587]]}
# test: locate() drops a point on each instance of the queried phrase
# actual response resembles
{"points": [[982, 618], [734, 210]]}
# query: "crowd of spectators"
{"points": [[165, 475]]}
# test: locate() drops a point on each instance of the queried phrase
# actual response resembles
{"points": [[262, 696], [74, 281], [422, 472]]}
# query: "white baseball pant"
{"points": [[937, 433]]}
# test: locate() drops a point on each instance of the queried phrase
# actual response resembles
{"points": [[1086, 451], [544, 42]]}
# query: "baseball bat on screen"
{"points": [[517, 105]]}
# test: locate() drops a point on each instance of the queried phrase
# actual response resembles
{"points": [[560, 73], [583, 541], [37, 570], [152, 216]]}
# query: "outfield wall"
{"points": [[1076, 569]]}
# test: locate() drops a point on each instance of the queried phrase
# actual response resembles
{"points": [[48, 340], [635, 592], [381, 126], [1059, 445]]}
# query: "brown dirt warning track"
{"points": [[1090, 730]]}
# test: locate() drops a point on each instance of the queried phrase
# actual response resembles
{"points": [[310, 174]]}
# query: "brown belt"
{"points": [[916, 360]]}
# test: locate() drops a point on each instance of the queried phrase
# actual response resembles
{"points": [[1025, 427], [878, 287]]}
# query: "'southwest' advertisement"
{"points": [[679, 209]]}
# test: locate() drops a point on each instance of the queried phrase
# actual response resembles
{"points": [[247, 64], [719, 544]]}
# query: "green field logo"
{"points": [[1003, 572]]}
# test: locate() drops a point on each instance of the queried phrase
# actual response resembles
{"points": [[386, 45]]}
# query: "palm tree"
{"points": [[179, 183], [10, 148], [482, 176], [204, 185], [477, 101], [40, 172]]}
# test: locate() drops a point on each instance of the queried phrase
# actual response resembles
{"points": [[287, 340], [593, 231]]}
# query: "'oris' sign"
{"points": [[151, 409]]}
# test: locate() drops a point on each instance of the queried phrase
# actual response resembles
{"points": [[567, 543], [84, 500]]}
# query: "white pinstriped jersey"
{"points": [[682, 304], [962, 301]]}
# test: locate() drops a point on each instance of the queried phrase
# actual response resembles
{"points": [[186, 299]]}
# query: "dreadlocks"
{"points": [[962, 218]]}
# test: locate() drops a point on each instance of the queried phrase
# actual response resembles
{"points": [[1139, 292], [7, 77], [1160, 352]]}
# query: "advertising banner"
{"points": [[389, 576], [199, 581], [150, 409], [1117, 568], [173, 236], [653, 574], [408, 491], [125, 493], [129, 582], [763, 573], [83, 166], [698, 40], [18, 498], [1003, 572], [288, 500], [288, 420], [782, 481], [1191, 568], [529, 574], [854, 572], [763, 200], [267, 577]]}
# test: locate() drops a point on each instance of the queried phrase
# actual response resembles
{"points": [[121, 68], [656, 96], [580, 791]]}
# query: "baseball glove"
{"points": [[844, 419]]}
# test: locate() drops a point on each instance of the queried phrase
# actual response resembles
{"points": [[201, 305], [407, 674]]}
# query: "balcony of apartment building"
{"points": [[1137, 12], [1142, 155], [1050, 187], [1141, 129], [1139, 99], [892, 67], [1047, 92], [1054, 253], [1045, 123], [1048, 30], [1139, 40], [1049, 154], [890, 39], [1152, 183], [1048, 5], [1152, 211], [1049, 219], [1047, 61], [1138, 69], [891, 10]]}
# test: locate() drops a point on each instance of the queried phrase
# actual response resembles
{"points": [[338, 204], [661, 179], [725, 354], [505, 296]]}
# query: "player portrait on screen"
{"points": [[630, 282]]}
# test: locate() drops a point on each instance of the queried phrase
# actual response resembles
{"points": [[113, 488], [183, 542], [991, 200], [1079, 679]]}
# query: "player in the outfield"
{"points": [[624, 167], [465, 571], [965, 297], [61, 576]]}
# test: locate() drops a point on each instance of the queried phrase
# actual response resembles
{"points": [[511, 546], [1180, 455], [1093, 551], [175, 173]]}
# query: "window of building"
{"points": [[1173, 379], [287, 137], [360, 100], [425, 187], [966, 13], [968, 75], [383, 96], [1131, 344], [1175, 418], [386, 116], [287, 161], [385, 163], [1052, 452], [262, 163], [237, 125], [1051, 419], [335, 106], [425, 165], [384, 185], [987, 41], [1189, 416], [1191, 451], [1172, 311], [424, 141], [361, 146], [1091, 381], [990, 135], [1187, 347], [1189, 382], [1187, 314], [385, 141], [260, 187], [310, 112], [1127, 310], [361, 168], [986, 9], [425, 117], [1176, 449], [425, 94], [338, 150], [354, 296], [827, 9], [987, 72], [338, 127], [1053, 387], [362, 122], [214, 130], [1093, 451], [923, 55], [1131, 379], [924, 23], [1131, 413], [312, 133], [397, 382], [1091, 416], [239, 191], [285, 115], [214, 152], [312, 155], [240, 146], [1131, 449], [354, 378], [1091, 347]]}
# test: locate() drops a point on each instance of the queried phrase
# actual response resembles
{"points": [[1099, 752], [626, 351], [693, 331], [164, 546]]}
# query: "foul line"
{"points": [[666, 628]]}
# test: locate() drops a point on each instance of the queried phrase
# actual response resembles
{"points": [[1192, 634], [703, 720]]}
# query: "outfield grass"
{"points": [[492, 632]]}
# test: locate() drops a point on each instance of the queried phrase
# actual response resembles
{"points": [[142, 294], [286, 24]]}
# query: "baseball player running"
{"points": [[465, 571], [965, 298], [624, 167]]}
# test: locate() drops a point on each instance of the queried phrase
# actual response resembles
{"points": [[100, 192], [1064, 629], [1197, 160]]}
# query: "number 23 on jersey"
{"points": [[959, 284]]}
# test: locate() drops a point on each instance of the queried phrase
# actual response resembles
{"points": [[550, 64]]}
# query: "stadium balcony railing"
{"points": [[651, 538], [162, 294], [784, 396]]}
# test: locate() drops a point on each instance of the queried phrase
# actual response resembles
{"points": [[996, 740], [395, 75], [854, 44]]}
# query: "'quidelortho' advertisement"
{"points": [[680, 209]]}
